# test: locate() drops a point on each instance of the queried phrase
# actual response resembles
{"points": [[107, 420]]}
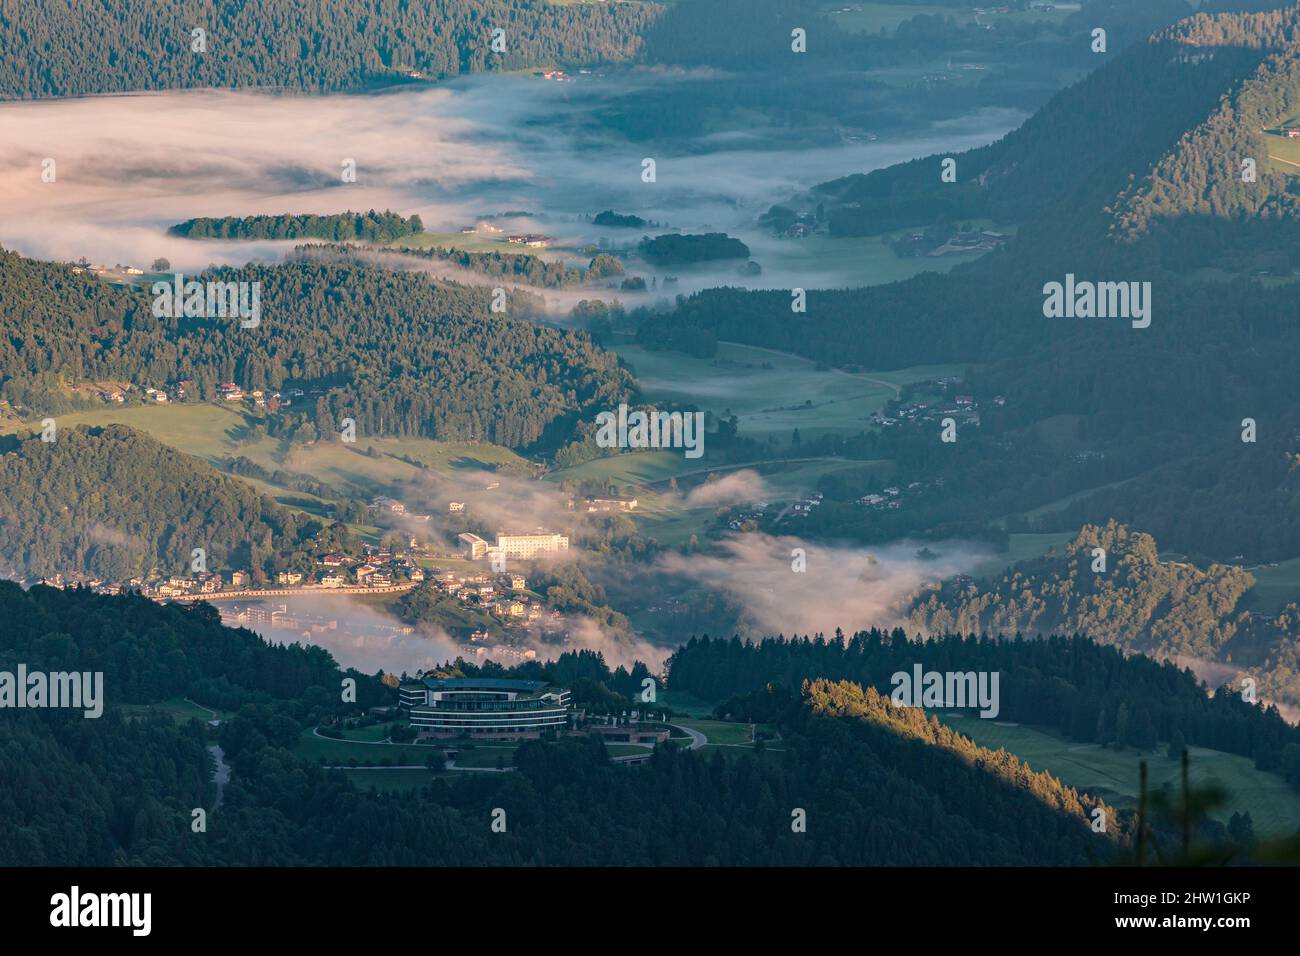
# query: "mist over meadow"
{"points": [[127, 167]]}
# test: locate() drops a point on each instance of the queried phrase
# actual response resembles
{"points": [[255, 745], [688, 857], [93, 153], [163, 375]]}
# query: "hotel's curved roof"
{"points": [[483, 683]]}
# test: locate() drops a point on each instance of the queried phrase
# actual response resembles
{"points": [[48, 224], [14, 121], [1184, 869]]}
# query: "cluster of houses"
{"points": [[116, 393], [158, 586], [375, 567], [230, 392], [382, 504], [927, 244], [984, 241], [100, 270], [963, 409], [804, 506], [504, 596], [892, 498], [739, 520], [596, 503], [484, 227], [533, 239]]}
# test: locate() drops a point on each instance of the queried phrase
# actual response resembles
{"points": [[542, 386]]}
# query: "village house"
{"points": [[611, 503]]}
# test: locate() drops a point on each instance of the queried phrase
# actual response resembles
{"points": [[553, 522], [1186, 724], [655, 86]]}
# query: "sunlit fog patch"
{"points": [[130, 166], [841, 586], [358, 635]]}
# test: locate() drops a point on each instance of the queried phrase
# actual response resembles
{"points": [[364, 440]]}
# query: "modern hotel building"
{"points": [[492, 708]]}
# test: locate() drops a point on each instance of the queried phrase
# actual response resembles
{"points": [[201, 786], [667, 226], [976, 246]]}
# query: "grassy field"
{"points": [[1060, 503], [466, 242], [858, 17], [373, 734], [177, 708], [480, 242], [341, 751], [732, 739], [722, 733], [205, 431], [1274, 587], [1023, 547], [769, 392], [1283, 153], [665, 517], [790, 479], [635, 468], [848, 261], [875, 17], [1274, 806], [213, 432], [395, 781]]}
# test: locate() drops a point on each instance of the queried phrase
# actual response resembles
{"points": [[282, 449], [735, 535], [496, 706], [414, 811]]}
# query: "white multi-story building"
{"points": [[524, 547]]}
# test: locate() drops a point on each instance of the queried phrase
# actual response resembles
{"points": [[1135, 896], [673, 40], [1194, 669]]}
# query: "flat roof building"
{"points": [[526, 546], [494, 708], [474, 546]]}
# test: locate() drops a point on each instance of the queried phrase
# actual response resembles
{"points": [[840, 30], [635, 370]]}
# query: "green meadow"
{"points": [[178, 708], [389, 780], [1274, 806], [337, 752], [1283, 153], [746, 381], [877, 17], [1023, 547], [1274, 587], [212, 432]]}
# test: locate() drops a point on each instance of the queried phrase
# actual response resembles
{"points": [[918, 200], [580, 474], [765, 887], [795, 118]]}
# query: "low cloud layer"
{"points": [[844, 586], [127, 167]]}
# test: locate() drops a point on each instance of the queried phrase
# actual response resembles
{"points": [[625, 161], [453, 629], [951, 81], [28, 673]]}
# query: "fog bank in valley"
{"points": [[127, 167]]}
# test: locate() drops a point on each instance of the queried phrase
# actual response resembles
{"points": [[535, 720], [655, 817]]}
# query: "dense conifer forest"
{"points": [[71, 48], [114, 503], [120, 789], [399, 354], [1071, 684], [130, 782], [342, 227]]}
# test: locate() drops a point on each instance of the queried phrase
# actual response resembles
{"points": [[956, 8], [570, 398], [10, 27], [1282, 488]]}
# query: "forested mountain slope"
{"points": [[1073, 684], [115, 503], [120, 790], [399, 354], [73, 48], [1220, 348], [1135, 601]]}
